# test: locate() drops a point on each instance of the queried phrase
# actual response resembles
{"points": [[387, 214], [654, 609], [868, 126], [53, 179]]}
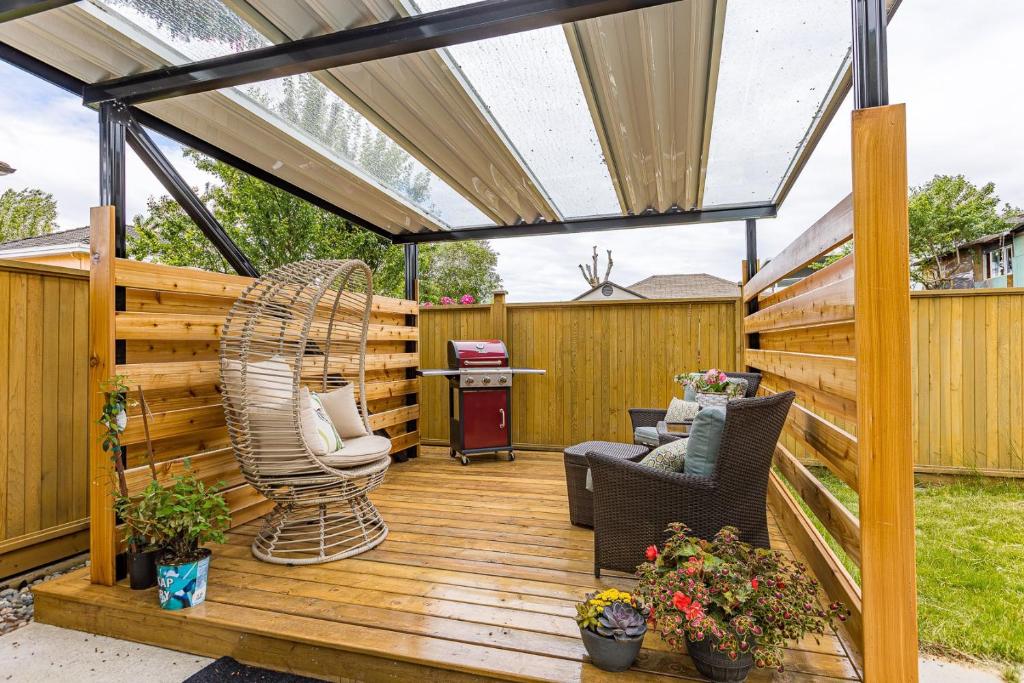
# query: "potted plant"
{"points": [[712, 388], [114, 419], [180, 519], [732, 605], [612, 626]]}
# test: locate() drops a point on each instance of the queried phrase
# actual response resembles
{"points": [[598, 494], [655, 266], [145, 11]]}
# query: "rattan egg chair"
{"points": [[303, 327]]}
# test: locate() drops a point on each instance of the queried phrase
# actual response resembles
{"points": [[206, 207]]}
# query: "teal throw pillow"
{"points": [[705, 438]]}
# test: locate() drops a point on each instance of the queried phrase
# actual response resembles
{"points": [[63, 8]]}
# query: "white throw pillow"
{"points": [[319, 433], [681, 411], [340, 405]]}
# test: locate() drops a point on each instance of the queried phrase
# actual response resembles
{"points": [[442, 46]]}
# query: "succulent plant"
{"points": [[620, 621]]}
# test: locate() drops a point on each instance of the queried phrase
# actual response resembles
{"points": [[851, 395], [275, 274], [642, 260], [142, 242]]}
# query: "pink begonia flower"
{"points": [[467, 299], [447, 301], [427, 303]]}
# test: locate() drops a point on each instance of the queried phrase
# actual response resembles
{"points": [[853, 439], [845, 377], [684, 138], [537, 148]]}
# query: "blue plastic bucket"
{"points": [[182, 585]]}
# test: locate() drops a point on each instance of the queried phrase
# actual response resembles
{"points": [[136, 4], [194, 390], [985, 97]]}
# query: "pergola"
{"points": [[435, 120]]}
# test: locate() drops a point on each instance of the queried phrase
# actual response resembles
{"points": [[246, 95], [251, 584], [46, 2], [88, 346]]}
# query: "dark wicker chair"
{"points": [[650, 417], [634, 504]]}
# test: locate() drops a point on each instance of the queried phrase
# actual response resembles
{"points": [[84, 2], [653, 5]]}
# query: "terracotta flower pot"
{"points": [[716, 665], [610, 654]]}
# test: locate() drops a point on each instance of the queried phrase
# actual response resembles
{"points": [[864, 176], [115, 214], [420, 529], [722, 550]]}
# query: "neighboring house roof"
{"points": [[685, 286], [613, 284], [1016, 225], [76, 237]]}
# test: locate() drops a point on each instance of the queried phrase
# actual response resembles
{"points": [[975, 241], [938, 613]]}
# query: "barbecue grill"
{"points": [[479, 406]]}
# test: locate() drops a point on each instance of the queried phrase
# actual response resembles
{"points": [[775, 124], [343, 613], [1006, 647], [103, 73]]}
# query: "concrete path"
{"points": [[39, 652]]}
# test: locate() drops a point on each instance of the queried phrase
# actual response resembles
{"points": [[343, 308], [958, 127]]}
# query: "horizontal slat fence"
{"points": [[43, 434], [601, 358], [168, 331]]}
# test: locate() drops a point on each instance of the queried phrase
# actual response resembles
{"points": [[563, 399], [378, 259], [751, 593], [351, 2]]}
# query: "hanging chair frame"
{"points": [[279, 324]]}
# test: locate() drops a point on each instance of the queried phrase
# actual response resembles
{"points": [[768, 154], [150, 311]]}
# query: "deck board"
{"points": [[477, 579]]}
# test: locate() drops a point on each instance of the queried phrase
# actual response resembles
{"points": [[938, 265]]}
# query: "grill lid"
{"points": [[478, 353]]}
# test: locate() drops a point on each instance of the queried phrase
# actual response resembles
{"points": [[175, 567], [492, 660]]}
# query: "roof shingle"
{"points": [[685, 286]]}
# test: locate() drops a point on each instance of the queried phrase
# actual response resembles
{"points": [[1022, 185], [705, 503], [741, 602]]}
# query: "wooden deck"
{"points": [[477, 579]]}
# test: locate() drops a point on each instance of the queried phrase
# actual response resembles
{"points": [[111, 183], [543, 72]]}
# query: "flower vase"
{"points": [[707, 399], [611, 654], [717, 665]]}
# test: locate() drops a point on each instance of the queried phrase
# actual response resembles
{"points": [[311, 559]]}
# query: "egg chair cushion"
{"points": [[358, 451], [340, 405], [317, 429]]}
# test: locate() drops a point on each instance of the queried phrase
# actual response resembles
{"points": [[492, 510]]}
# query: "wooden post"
{"points": [[102, 546], [499, 316], [886, 468]]}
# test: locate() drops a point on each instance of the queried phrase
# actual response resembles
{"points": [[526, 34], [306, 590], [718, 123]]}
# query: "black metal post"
{"points": [[19, 9], [870, 54], [753, 340], [412, 270], [112, 174], [149, 152]]}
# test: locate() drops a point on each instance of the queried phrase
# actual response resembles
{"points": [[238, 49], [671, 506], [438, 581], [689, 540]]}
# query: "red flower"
{"points": [[753, 584], [687, 606], [651, 553]]}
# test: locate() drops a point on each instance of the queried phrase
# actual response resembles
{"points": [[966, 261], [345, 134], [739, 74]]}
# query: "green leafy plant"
{"points": [[744, 599], [182, 517]]}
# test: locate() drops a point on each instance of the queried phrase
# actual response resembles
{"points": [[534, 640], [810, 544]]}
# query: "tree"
{"points": [[26, 213], [590, 273], [946, 213]]}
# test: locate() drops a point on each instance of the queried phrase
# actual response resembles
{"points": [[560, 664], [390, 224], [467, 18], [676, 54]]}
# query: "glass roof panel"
{"points": [[527, 83], [301, 103], [779, 64]]}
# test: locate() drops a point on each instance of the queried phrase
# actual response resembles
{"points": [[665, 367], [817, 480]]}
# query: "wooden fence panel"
{"points": [[602, 358], [43, 503], [968, 369]]}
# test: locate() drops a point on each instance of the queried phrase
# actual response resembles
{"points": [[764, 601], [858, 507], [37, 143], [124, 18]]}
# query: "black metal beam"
{"points": [[753, 340], [112, 170], [16, 9], [406, 35], [568, 227], [412, 270], [870, 54], [75, 86], [154, 159]]}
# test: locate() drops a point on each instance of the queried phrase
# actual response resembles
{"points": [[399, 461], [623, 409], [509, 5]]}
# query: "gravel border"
{"points": [[17, 604]]}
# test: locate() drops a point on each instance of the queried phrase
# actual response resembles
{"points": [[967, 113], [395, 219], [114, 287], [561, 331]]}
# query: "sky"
{"points": [[957, 66]]}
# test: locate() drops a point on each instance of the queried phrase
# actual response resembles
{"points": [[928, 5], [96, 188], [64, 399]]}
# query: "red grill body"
{"points": [[479, 406]]}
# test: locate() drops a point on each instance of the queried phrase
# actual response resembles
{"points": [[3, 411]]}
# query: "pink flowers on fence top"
{"points": [[465, 299]]}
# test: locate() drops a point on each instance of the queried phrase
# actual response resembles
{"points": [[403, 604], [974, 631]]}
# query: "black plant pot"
{"points": [[610, 654], [716, 665], [142, 569]]}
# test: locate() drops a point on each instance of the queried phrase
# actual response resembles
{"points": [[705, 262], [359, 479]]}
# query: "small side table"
{"points": [[665, 436], [581, 501]]}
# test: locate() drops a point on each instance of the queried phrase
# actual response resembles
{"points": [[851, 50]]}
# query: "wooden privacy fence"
{"points": [[968, 380], [601, 358], [159, 327], [43, 368]]}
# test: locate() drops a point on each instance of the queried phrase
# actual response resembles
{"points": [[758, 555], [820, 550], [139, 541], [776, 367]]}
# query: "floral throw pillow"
{"points": [[681, 410], [668, 458]]}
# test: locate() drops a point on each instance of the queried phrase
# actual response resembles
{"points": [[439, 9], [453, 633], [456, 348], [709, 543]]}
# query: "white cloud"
{"points": [[958, 71]]}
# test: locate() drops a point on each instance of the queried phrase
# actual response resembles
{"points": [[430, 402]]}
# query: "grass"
{"points": [[970, 565]]}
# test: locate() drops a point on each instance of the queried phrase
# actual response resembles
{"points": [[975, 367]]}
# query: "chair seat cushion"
{"points": [[358, 451], [646, 435], [668, 458], [705, 438]]}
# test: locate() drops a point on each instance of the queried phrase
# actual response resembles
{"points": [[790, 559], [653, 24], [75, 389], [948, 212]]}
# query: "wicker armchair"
{"points": [[634, 504], [650, 417]]}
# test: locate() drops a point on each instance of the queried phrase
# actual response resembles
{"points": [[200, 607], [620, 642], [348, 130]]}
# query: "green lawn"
{"points": [[970, 565]]}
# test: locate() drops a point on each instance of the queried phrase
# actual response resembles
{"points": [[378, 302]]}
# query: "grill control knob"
{"points": [[503, 380], [470, 380], [487, 380]]}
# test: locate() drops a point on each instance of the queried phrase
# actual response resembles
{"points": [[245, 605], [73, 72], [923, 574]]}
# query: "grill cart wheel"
{"points": [[464, 460], [511, 456]]}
